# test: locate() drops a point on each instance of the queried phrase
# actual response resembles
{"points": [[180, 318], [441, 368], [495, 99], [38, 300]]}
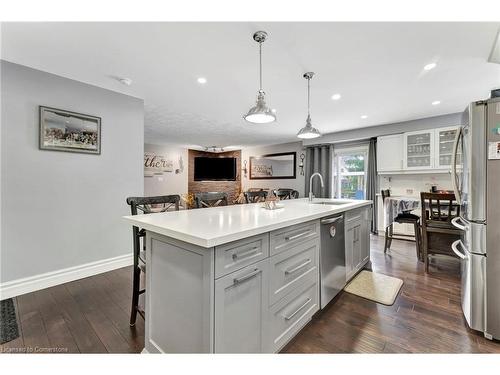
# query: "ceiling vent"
{"points": [[495, 51]]}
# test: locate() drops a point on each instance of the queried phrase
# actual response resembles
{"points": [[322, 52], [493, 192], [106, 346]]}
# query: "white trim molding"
{"points": [[45, 280]]}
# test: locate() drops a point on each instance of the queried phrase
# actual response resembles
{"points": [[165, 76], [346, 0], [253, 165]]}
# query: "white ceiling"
{"points": [[377, 67]]}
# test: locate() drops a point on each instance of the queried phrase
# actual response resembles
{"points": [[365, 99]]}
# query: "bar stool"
{"points": [[145, 205]]}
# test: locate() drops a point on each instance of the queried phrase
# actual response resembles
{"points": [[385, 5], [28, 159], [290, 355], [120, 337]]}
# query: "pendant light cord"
{"points": [[308, 97], [260, 66]]}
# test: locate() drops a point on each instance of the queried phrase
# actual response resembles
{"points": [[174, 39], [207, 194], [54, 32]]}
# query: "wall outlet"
{"points": [[409, 191]]}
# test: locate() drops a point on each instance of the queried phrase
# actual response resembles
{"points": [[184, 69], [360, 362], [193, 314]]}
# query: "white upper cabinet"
{"points": [[390, 153], [445, 140], [416, 152], [419, 150]]}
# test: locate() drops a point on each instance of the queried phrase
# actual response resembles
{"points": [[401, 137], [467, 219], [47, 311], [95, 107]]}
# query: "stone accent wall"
{"points": [[232, 188]]}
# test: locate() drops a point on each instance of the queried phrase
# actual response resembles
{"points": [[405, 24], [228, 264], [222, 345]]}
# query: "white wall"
{"points": [[412, 185], [169, 182], [297, 183], [62, 209]]}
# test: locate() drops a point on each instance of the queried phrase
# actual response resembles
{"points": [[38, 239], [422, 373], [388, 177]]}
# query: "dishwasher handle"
{"points": [[331, 220]]}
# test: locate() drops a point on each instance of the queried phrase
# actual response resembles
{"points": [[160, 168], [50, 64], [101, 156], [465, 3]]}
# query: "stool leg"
{"points": [[417, 239], [386, 239], [135, 296], [391, 233]]}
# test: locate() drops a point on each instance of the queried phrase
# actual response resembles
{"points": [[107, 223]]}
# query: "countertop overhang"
{"points": [[208, 227]]}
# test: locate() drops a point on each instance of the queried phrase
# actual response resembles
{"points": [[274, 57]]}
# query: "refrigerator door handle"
{"points": [[455, 223], [454, 166], [454, 247]]}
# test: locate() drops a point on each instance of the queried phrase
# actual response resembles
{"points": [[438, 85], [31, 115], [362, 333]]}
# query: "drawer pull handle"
{"points": [[241, 279], [297, 236], [298, 310], [295, 269], [245, 253]]}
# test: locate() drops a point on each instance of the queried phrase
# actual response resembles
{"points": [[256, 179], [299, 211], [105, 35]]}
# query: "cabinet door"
{"points": [[444, 139], [365, 236], [390, 153], [353, 248], [241, 305], [419, 150]]}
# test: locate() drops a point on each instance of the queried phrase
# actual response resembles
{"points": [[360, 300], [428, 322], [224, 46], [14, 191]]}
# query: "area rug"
{"points": [[8, 321], [375, 287]]}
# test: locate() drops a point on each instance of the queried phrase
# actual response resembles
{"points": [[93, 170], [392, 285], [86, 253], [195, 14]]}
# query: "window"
{"points": [[349, 175]]}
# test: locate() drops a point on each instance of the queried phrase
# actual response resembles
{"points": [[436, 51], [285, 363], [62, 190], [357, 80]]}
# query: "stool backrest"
{"points": [[255, 196], [210, 199], [149, 205], [286, 193]]}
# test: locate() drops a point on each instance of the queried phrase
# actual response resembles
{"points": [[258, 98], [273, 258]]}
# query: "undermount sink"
{"points": [[333, 203]]}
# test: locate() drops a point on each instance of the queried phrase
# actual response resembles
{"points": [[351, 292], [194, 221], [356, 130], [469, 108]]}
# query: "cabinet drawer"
{"points": [[354, 217], [283, 239], [291, 268], [289, 315], [236, 255]]}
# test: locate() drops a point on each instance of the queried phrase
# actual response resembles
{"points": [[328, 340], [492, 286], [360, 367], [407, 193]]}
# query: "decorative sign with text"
{"points": [[155, 164]]}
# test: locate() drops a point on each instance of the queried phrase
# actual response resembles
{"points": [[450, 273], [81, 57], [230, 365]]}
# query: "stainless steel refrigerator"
{"points": [[476, 179]]}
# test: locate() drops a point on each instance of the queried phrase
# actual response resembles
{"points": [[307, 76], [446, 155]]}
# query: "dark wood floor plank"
{"points": [[83, 333], [58, 333], [34, 333], [102, 326], [120, 319]]}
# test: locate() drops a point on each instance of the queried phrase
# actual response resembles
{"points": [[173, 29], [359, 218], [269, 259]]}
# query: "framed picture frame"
{"points": [[273, 166], [61, 130]]}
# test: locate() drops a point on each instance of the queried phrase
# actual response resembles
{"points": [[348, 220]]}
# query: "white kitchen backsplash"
{"points": [[412, 185]]}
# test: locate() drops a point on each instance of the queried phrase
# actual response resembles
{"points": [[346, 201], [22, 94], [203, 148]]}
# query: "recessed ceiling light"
{"points": [[202, 80], [430, 66], [364, 116], [436, 102], [336, 96], [125, 81]]}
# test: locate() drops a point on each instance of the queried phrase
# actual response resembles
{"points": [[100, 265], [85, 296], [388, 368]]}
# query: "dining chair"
{"points": [[210, 199], [255, 196], [438, 233], [146, 205], [283, 193], [404, 218]]}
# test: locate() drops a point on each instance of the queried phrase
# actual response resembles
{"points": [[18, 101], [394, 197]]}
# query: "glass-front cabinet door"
{"points": [[419, 149], [445, 140]]}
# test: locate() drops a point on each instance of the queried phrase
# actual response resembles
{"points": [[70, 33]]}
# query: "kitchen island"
{"points": [[240, 278]]}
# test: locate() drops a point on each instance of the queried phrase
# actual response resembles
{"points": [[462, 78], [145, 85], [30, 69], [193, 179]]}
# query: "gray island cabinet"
{"points": [[238, 278]]}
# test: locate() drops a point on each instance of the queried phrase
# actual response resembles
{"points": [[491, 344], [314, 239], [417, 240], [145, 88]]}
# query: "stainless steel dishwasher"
{"points": [[332, 258]]}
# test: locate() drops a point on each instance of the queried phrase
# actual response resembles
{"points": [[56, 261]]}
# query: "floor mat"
{"points": [[9, 329], [375, 287]]}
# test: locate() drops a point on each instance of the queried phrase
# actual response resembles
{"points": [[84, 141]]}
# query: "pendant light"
{"points": [[308, 131], [260, 114]]}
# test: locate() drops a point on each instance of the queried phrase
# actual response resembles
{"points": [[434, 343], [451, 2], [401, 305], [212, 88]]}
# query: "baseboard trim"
{"points": [[45, 280]]}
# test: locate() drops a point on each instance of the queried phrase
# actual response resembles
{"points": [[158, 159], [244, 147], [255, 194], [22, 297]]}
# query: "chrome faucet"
{"points": [[311, 196]]}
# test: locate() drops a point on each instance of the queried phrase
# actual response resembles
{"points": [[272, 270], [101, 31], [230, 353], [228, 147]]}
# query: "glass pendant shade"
{"points": [[260, 114], [308, 131]]}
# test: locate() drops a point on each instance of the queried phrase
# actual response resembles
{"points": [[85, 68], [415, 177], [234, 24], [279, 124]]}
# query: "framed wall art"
{"points": [[62, 130], [273, 166]]}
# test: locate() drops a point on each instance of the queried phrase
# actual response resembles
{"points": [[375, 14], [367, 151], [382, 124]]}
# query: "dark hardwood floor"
{"points": [[91, 315]]}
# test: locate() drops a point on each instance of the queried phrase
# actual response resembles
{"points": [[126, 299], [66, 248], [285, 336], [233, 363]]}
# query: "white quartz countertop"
{"points": [[208, 227]]}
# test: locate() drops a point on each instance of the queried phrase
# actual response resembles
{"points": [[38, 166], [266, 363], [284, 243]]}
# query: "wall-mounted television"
{"points": [[214, 169]]}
